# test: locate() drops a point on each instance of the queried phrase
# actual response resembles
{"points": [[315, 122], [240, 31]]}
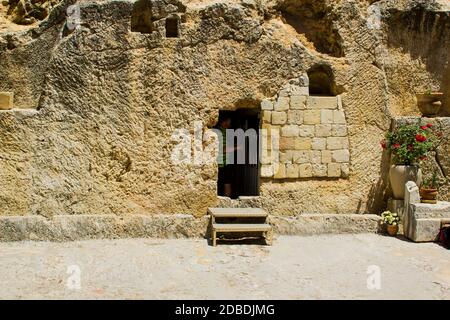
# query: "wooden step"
{"points": [[237, 212], [241, 227]]}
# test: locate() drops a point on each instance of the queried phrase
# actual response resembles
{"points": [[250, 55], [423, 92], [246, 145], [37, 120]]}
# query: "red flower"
{"points": [[383, 144], [423, 158], [429, 125], [424, 127], [396, 145], [420, 138]]}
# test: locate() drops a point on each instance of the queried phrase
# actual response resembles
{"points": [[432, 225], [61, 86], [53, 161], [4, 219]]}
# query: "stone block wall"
{"points": [[304, 136]]}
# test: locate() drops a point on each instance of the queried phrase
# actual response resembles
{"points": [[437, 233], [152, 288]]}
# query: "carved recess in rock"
{"points": [[161, 16], [315, 20], [26, 12]]}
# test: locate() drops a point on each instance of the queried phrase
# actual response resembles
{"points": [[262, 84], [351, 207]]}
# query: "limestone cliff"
{"points": [[97, 103]]}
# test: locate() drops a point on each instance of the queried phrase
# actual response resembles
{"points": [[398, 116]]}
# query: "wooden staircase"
{"points": [[245, 218]]}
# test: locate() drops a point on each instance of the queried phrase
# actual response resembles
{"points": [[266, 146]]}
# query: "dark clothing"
{"points": [[226, 174]]}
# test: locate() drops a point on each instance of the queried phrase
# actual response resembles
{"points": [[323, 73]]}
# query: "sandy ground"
{"points": [[318, 267]]}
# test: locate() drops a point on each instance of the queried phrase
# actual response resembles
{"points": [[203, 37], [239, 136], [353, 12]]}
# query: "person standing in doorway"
{"points": [[226, 172]]}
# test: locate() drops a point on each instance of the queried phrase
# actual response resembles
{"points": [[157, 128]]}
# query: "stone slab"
{"points": [[6, 100], [313, 224], [430, 211], [85, 227], [422, 222]]}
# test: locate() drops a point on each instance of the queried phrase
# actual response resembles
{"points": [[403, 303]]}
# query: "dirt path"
{"points": [[318, 267]]}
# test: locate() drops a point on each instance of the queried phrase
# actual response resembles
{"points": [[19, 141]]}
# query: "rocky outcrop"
{"points": [[97, 103], [29, 11]]}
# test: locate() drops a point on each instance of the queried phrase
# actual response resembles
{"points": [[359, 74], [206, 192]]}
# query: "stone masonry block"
{"points": [[292, 171], [289, 131], [323, 130], [303, 156], [345, 170], [266, 105], [326, 116], [319, 170], [295, 117], [339, 117], [298, 103], [267, 156], [334, 170], [6, 100], [286, 157], [326, 156], [266, 116], [282, 104], [266, 171], [305, 170], [339, 130], [279, 117], [306, 130], [319, 143], [287, 143], [318, 102], [316, 156], [281, 172], [341, 155], [302, 144], [311, 117], [299, 91], [336, 143]]}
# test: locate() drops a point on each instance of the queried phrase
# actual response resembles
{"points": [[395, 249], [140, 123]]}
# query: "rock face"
{"points": [[28, 11], [107, 90]]}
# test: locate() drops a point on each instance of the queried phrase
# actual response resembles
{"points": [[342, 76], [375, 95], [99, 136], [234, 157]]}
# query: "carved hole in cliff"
{"points": [[171, 28], [314, 20], [141, 17], [321, 81], [242, 176]]}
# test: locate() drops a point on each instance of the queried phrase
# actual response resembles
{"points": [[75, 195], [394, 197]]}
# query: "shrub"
{"points": [[410, 144]]}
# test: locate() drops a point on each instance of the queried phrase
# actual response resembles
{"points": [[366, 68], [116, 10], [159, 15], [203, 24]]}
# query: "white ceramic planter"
{"points": [[399, 175]]}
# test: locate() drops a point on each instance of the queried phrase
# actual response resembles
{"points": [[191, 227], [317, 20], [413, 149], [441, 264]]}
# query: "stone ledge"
{"points": [[83, 227], [312, 224], [86, 227], [430, 211]]}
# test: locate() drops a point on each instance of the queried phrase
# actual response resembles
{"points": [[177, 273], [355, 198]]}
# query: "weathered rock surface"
{"points": [[107, 100], [83, 227]]}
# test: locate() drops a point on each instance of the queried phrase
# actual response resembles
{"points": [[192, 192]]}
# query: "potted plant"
{"points": [[429, 103], [391, 220], [429, 189], [408, 144]]}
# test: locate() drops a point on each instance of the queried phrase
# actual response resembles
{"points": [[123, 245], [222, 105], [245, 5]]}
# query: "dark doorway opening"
{"points": [[321, 81], [171, 28], [243, 174]]}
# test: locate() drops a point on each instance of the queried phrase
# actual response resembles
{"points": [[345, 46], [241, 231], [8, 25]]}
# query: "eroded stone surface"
{"points": [[108, 101]]}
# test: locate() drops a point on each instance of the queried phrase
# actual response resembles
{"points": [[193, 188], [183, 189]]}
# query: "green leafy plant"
{"points": [[390, 218], [431, 182], [410, 144]]}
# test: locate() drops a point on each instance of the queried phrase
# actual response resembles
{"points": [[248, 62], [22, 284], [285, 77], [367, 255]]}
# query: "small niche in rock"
{"points": [[171, 28], [321, 81], [314, 20], [141, 17]]}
